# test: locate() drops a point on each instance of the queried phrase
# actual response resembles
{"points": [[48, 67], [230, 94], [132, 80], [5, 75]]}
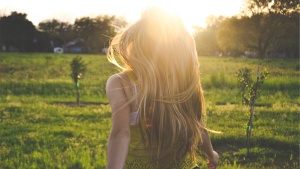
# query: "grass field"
{"points": [[40, 126]]}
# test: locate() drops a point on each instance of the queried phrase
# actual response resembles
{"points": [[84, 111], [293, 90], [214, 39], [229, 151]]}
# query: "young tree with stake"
{"points": [[78, 68]]}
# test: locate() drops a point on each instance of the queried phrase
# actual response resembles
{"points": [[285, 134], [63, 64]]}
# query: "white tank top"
{"points": [[134, 115]]}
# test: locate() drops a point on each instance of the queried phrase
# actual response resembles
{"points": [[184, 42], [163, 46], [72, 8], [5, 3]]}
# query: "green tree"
{"points": [[255, 33], [273, 24], [60, 31], [206, 38], [231, 36], [287, 41], [262, 27], [250, 92], [244, 79], [283, 7], [17, 31], [96, 32]]}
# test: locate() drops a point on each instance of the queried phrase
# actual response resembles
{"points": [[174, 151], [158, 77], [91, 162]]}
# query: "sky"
{"points": [[192, 12]]}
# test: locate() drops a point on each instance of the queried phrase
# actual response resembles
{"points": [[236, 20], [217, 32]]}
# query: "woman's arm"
{"points": [[119, 138], [207, 148]]}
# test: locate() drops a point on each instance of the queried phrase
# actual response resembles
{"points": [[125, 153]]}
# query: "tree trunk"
{"points": [[249, 129], [77, 95], [252, 104]]}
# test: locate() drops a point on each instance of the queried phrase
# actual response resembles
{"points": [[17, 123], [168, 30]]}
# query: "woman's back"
{"points": [[164, 91], [137, 156]]}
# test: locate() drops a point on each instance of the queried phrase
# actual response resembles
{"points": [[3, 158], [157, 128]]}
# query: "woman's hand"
{"points": [[213, 162]]}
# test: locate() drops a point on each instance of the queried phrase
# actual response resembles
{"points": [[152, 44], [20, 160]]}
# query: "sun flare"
{"points": [[194, 13], [180, 8]]}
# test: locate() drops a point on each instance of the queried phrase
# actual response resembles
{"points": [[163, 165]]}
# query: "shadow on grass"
{"points": [[257, 104], [267, 152], [235, 143], [81, 104]]}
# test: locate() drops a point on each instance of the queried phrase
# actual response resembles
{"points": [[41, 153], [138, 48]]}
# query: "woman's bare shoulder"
{"points": [[117, 81]]}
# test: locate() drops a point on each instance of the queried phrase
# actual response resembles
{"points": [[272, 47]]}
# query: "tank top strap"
{"points": [[131, 76], [133, 80]]}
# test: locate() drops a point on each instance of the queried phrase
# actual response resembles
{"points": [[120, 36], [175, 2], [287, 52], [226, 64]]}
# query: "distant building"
{"points": [[75, 46], [249, 54], [104, 50], [59, 50], [3, 48]]}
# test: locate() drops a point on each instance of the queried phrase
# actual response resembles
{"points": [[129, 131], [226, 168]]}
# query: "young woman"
{"points": [[157, 100]]}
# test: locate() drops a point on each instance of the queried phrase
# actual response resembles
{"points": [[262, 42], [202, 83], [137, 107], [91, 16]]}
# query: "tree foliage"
{"points": [[269, 28], [60, 31], [250, 92], [256, 33], [78, 68], [269, 20], [206, 39], [17, 31], [231, 35], [95, 32], [244, 79], [283, 7]]}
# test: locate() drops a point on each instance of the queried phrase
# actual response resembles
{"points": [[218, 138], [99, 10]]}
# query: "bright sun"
{"points": [[194, 12], [179, 10], [183, 9]]}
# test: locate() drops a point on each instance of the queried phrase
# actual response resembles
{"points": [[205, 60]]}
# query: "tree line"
{"points": [[264, 28], [17, 33]]}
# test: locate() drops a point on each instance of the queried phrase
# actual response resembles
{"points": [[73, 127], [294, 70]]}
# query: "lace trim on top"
{"points": [[134, 115], [138, 164]]}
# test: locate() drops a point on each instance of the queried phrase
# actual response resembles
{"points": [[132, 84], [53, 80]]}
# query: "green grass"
{"points": [[40, 126]]}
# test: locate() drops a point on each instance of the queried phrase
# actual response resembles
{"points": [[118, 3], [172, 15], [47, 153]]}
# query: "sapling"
{"points": [[78, 68], [244, 77], [250, 94]]}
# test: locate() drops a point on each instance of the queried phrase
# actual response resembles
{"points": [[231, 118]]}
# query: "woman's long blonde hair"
{"points": [[161, 54]]}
